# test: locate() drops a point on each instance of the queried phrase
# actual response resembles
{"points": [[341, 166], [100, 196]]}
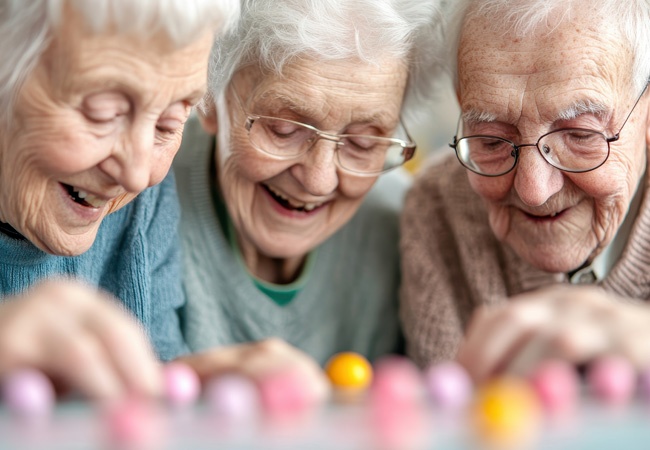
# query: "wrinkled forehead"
{"points": [[317, 89], [572, 61]]}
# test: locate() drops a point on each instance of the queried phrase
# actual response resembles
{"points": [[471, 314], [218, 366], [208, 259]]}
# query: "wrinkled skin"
{"points": [[572, 323], [103, 113], [79, 337], [336, 96], [554, 220]]}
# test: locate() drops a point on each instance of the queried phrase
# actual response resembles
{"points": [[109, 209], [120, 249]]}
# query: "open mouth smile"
{"points": [[290, 204], [84, 198]]}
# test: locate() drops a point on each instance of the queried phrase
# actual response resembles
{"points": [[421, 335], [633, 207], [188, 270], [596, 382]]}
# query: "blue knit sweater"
{"points": [[135, 257]]}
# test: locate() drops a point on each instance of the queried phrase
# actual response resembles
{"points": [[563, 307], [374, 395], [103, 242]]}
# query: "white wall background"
{"points": [[436, 129]]}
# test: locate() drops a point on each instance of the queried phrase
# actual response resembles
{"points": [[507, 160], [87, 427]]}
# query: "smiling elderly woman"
{"points": [[553, 139], [284, 234], [92, 108]]}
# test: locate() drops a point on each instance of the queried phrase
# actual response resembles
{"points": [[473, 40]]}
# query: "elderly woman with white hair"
{"points": [[93, 100], [286, 233], [552, 188]]}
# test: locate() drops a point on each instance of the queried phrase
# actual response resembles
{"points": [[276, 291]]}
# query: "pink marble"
{"points": [[612, 379], [282, 393], [134, 424], [28, 393], [449, 385], [232, 396], [182, 384], [397, 382], [556, 384], [644, 384]]}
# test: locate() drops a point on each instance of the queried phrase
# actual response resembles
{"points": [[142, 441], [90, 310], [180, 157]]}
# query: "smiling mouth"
{"points": [[291, 205], [83, 198], [552, 216]]}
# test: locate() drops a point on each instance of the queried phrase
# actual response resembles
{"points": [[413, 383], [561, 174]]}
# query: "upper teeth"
{"points": [[305, 206], [553, 214], [92, 200]]}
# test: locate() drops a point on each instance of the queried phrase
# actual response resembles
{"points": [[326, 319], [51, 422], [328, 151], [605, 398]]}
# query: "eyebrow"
{"points": [[576, 109], [581, 107], [473, 116]]}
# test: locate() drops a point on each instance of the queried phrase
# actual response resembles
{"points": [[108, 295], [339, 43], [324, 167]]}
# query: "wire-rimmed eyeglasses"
{"points": [[362, 155], [569, 149]]}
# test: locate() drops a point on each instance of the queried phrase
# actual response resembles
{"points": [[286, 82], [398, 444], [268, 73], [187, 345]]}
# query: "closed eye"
{"points": [[104, 107]]}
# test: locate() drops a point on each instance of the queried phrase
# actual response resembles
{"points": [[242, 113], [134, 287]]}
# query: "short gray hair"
{"points": [[628, 20], [271, 33], [26, 27]]}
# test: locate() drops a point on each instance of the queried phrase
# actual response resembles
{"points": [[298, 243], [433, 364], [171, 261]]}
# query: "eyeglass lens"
{"points": [[574, 150], [357, 153]]}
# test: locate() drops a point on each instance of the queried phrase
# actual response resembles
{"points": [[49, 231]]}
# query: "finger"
{"points": [[539, 347], [75, 334], [213, 362], [79, 360], [494, 336], [43, 333], [574, 342], [127, 348], [260, 360]]}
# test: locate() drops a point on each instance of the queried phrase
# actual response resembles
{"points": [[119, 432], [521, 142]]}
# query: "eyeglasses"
{"points": [[359, 154], [569, 149]]}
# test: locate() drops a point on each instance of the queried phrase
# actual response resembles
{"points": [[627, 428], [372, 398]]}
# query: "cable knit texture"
{"points": [[452, 262]]}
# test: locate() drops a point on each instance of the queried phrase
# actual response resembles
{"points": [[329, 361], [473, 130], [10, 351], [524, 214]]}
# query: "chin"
{"points": [[551, 263], [551, 260], [285, 250], [67, 245]]}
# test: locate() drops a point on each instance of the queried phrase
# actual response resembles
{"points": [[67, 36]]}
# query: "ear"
{"points": [[208, 118]]}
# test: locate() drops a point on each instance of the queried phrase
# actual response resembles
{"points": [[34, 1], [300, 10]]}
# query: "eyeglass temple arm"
{"points": [[454, 143], [618, 133]]}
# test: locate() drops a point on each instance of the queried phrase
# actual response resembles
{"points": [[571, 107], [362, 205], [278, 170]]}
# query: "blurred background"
{"points": [[435, 130]]}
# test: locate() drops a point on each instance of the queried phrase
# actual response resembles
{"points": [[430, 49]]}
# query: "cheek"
{"points": [[163, 161], [57, 132], [240, 174], [355, 188], [245, 164], [29, 156], [60, 150], [492, 189], [610, 193]]}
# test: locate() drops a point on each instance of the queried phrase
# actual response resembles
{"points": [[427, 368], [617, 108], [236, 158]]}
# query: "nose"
{"points": [[535, 179], [316, 170], [130, 164]]}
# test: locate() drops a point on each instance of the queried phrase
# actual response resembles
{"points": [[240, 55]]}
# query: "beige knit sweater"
{"points": [[452, 263]]}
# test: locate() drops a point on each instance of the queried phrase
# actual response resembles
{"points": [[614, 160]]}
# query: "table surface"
{"points": [[75, 425]]}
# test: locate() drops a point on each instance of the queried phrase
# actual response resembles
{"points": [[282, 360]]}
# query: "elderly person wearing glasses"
{"points": [[550, 190], [290, 221], [93, 99]]}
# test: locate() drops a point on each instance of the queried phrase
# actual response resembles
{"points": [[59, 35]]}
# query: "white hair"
{"points": [[26, 27], [625, 20], [272, 33]]}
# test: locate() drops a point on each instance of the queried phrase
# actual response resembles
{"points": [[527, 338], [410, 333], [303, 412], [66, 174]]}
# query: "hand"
{"points": [[80, 338], [574, 323], [258, 360]]}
